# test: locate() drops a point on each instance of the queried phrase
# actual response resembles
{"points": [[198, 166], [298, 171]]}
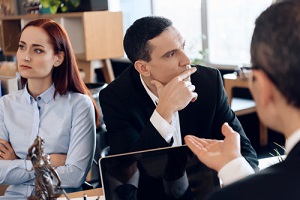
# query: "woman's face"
{"points": [[35, 56]]}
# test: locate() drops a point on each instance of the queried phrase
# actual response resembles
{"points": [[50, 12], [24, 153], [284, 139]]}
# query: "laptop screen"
{"points": [[157, 174]]}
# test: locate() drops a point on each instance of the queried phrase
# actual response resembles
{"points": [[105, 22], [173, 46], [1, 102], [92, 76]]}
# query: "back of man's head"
{"points": [[275, 47], [139, 33]]}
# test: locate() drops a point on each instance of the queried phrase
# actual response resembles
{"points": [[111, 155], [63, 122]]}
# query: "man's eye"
{"points": [[171, 54]]}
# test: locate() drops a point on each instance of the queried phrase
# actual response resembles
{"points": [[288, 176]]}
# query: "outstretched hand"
{"points": [[216, 153]]}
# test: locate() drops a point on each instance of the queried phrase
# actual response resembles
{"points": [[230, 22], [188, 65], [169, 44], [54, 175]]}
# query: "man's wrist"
{"points": [[234, 170], [164, 113]]}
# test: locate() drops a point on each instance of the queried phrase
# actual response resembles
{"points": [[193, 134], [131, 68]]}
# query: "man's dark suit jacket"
{"points": [[127, 109], [151, 188], [278, 182]]}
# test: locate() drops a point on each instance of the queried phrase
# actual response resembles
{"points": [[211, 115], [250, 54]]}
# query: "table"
{"points": [[92, 192]]}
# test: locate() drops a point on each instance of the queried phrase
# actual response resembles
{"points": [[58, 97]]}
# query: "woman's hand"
{"points": [[6, 151]]}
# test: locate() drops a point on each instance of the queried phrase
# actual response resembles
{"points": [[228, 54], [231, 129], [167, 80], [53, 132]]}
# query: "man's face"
{"points": [[168, 58]]}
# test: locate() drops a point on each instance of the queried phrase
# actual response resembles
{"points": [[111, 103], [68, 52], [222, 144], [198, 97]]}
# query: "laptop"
{"points": [[155, 172]]}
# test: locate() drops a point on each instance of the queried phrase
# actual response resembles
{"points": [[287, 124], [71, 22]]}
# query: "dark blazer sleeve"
{"points": [[224, 110], [279, 181], [127, 109]]}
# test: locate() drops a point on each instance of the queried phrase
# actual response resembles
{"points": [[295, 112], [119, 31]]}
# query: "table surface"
{"points": [[89, 193]]}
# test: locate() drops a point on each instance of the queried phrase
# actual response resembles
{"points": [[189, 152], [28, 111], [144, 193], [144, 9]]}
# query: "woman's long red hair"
{"points": [[66, 77]]}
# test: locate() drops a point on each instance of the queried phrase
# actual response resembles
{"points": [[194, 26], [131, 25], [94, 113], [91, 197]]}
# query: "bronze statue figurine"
{"points": [[44, 172]]}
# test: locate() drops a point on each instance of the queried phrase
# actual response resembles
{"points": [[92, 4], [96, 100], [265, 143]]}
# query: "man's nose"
{"points": [[184, 59]]}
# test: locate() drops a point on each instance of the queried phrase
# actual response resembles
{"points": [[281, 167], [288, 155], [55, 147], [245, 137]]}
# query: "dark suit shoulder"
{"points": [[121, 82], [123, 89], [205, 71], [279, 181], [205, 68], [207, 79]]}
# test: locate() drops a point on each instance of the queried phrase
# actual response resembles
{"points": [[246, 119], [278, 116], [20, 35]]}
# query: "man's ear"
{"points": [[142, 67], [266, 89], [59, 58]]}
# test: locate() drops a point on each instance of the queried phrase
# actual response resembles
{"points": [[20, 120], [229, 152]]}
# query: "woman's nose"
{"points": [[27, 58]]}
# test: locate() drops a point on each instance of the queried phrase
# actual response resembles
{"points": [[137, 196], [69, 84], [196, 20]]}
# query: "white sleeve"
{"points": [[165, 129], [235, 170]]}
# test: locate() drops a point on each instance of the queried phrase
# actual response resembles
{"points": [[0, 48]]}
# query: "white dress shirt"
{"points": [[166, 130], [292, 141]]}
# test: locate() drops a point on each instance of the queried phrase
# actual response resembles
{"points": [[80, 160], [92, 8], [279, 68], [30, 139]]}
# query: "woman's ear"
{"points": [[59, 58], [142, 67]]}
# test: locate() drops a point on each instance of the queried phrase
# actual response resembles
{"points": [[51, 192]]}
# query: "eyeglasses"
{"points": [[246, 73]]}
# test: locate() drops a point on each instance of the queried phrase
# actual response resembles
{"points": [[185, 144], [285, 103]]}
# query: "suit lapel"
{"points": [[185, 121], [142, 96]]}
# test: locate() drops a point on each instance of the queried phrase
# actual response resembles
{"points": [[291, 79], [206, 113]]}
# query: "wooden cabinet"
{"points": [[96, 37]]}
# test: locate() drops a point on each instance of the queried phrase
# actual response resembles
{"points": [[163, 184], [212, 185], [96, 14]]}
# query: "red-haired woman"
{"points": [[53, 104]]}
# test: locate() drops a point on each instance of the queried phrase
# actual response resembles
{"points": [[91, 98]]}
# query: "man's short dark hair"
{"points": [[136, 39], [275, 47]]}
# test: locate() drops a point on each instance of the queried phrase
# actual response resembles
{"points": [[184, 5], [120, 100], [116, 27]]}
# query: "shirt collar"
{"points": [[152, 96], [292, 141], [45, 96]]}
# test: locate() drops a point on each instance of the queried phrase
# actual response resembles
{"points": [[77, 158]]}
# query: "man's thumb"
{"points": [[157, 84], [228, 132]]}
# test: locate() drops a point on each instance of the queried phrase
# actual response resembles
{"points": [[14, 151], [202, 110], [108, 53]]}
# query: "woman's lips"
{"points": [[25, 67]]}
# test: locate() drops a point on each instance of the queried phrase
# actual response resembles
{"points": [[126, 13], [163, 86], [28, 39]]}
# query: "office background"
{"points": [[217, 34]]}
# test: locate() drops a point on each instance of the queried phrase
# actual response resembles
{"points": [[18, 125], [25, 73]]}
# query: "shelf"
{"points": [[94, 36]]}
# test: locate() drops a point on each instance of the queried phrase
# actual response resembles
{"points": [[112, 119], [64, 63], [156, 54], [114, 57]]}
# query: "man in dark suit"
{"points": [[274, 80], [161, 98]]}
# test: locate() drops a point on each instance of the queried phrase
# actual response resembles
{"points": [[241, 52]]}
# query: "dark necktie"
{"points": [[126, 192]]}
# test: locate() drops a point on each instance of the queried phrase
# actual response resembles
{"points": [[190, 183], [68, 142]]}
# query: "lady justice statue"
{"points": [[44, 172]]}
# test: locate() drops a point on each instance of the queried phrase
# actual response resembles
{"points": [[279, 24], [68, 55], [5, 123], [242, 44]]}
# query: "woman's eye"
{"points": [[21, 46], [38, 51]]}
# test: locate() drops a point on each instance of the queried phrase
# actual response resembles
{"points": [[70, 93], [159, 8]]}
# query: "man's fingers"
{"points": [[187, 73], [193, 144], [200, 143], [195, 96], [4, 143], [191, 88]]}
